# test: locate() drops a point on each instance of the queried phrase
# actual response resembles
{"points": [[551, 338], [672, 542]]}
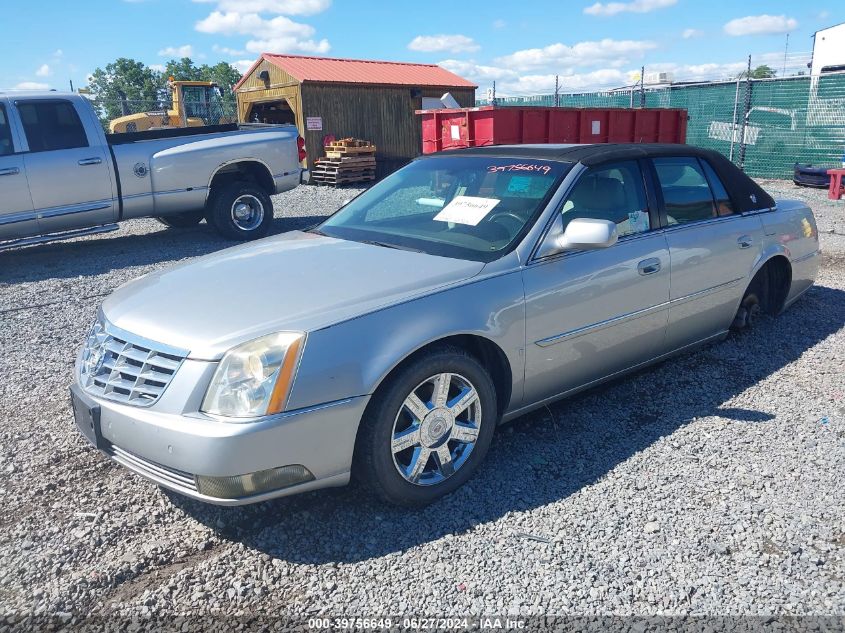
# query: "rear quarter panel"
{"points": [[791, 230]]}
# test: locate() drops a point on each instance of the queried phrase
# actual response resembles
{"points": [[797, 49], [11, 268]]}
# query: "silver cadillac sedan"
{"points": [[464, 290]]}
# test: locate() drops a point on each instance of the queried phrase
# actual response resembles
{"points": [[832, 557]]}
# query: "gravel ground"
{"points": [[707, 485]]}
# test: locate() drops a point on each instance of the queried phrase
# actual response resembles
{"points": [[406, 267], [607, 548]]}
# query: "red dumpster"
{"points": [[489, 125]]}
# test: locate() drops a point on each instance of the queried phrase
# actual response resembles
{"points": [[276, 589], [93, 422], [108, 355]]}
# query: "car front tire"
{"points": [[240, 211], [427, 429]]}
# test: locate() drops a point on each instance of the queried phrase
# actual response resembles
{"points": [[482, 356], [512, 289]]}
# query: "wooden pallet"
{"points": [[345, 173], [350, 142], [344, 181], [328, 169], [340, 152], [352, 161]]}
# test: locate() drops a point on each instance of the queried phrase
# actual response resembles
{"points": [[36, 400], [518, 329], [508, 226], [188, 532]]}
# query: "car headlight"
{"points": [[255, 378]]}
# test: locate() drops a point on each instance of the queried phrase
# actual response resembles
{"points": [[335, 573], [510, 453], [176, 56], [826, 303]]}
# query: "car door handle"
{"points": [[649, 266], [90, 161], [744, 241], [9, 171]]}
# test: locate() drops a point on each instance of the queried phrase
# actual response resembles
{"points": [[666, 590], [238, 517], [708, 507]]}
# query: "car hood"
{"points": [[294, 281]]}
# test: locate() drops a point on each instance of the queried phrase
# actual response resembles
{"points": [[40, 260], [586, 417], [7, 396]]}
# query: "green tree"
{"points": [[182, 70], [761, 72], [222, 74], [125, 82]]}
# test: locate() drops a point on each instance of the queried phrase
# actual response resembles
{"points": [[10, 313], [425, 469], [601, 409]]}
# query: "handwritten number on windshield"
{"points": [[544, 169]]}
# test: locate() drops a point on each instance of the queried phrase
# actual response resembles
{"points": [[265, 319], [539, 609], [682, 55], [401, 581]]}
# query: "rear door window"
{"points": [[6, 146], [51, 125], [610, 192], [686, 193], [724, 206]]}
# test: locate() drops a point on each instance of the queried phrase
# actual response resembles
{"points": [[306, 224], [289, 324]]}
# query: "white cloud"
{"points": [[635, 6], [277, 35], [159, 67], [499, 24], [43, 71], [284, 7], [760, 25], [231, 52], [478, 73], [243, 65], [452, 43], [288, 45], [31, 85], [688, 34], [58, 53], [177, 51], [607, 51]]}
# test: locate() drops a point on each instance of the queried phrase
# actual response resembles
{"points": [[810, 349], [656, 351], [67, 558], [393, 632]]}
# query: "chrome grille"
{"points": [[158, 473], [117, 366]]}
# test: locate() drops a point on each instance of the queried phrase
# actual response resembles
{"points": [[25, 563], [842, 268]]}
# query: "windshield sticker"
{"points": [[638, 221], [466, 210], [519, 184], [532, 167]]}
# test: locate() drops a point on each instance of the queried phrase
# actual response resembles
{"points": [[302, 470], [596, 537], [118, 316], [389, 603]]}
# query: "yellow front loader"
{"points": [[195, 103]]}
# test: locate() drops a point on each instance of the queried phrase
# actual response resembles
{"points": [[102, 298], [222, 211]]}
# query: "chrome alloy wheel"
{"points": [[247, 212], [436, 429]]}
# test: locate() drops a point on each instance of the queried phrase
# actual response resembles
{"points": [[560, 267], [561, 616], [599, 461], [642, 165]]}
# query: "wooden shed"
{"points": [[370, 100]]}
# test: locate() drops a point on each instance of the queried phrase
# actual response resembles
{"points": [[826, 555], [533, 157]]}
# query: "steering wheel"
{"points": [[512, 221]]}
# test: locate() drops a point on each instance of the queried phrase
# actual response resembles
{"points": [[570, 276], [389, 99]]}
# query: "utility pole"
{"points": [[785, 49], [493, 101], [747, 109], [642, 87], [557, 91]]}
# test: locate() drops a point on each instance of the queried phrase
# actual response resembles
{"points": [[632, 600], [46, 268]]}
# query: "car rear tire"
{"points": [[427, 429], [750, 308], [182, 220], [240, 211]]}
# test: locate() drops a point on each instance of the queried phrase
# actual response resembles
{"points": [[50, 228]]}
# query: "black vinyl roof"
{"points": [[745, 194], [587, 154]]}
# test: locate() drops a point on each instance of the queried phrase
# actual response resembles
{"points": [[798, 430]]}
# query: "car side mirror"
{"points": [[580, 234]]}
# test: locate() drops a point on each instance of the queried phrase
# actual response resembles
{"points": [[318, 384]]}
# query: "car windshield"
{"points": [[466, 207]]}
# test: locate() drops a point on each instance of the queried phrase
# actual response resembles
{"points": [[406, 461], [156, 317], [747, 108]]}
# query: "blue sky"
{"points": [[521, 45]]}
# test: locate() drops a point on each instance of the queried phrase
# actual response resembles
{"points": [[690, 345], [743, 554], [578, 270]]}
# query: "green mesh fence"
{"points": [[785, 121]]}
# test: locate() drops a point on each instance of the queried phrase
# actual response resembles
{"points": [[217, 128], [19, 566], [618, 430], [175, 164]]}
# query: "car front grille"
{"points": [[158, 473], [117, 366]]}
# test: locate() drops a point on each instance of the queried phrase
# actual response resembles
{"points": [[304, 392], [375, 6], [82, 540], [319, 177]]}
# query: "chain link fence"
{"points": [[763, 125]]}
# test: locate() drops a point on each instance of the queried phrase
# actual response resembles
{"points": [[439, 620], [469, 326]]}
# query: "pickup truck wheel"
{"points": [[427, 430], [182, 220], [240, 211]]}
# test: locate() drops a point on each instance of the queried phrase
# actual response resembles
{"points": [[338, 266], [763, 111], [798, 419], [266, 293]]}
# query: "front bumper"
{"points": [[171, 449]]}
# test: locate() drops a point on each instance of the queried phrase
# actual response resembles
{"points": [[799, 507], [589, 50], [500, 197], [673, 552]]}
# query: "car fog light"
{"points": [[253, 483]]}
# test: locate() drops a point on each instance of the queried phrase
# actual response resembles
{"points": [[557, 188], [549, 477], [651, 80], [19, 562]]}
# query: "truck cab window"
{"points": [[6, 146], [51, 125], [611, 192]]}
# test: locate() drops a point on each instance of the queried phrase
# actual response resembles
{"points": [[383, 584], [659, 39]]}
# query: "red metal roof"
{"points": [[361, 71]]}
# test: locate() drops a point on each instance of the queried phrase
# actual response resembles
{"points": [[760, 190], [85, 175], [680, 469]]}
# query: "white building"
{"points": [[828, 50]]}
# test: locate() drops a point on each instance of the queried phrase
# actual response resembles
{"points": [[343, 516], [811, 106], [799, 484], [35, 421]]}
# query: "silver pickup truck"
{"points": [[61, 176]]}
